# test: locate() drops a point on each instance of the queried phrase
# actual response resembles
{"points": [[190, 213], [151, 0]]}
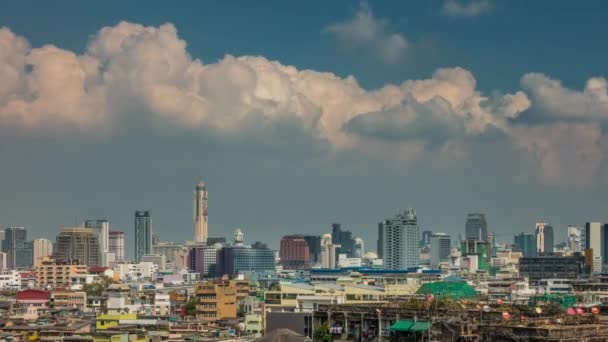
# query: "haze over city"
{"points": [[298, 115]]}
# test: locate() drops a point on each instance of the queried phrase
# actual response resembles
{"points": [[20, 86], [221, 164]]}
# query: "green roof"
{"points": [[406, 325], [452, 289]]}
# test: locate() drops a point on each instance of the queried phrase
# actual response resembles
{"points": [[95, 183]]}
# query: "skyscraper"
{"points": [[102, 228], [78, 243], [314, 247], [476, 227], [200, 213], [343, 239], [328, 252], [440, 248], [42, 248], [544, 238], [379, 243], [116, 244], [19, 250], [594, 237], [401, 238], [294, 252], [526, 244], [143, 234], [574, 238], [359, 249]]}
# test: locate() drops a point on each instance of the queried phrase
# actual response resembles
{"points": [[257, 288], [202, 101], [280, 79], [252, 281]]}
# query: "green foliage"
{"points": [[191, 307], [240, 313], [322, 334]]}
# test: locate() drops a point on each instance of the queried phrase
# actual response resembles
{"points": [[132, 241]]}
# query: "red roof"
{"points": [[27, 274], [98, 269], [33, 295]]}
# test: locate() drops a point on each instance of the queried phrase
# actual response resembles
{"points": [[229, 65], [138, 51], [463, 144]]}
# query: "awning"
{"points": [[406, 325]]}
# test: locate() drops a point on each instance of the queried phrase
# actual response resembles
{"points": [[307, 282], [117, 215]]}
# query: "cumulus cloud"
{"points": [[366, 32], [564, 153], [553, 100], [473, 8], [438, 110]]}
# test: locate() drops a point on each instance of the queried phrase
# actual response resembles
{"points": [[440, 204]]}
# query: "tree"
{"points": [[191, 307], [322, 334]]}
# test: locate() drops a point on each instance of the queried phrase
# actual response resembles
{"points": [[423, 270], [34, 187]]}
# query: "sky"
{"points": [[300, 114]]}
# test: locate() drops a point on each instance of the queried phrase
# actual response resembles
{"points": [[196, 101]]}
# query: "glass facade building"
{"points": [[143, 234], [235, 259], [476, 227]]}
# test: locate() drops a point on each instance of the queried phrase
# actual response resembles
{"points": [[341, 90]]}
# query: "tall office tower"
{"points": [[426, 238], [328, 252], [379, 244], [342, 238], [574, 238], [594, 240], [116, 244], [544, 238], [441, 248], [143, 234], [200, 213], [359, 250], [314, 247], [401, 238], [2, 235], [42, 248], [526, 244], [476, 227], [294, 252], [102, 228], [19, 250], [78, 243]]}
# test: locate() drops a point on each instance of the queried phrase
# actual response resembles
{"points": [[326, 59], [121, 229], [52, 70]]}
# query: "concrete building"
{"points": [[314, 248], [551, 267], [294, 252], [80, 244], [203, 259], [328, 252], [3, 261], [525, 243], [440, 248], [10, 280], [574, 239], [544, 238], [20, 251], [216, 299], [102, 228], [157, 259], [240, 258], [380, 241], [200, 213], [42, 248], [116, 244], [401, 238], [67, 299], [359, 250], [594, 240], [57, 273], [342, 239], [143, 234], [136, 272], [476, 227]]}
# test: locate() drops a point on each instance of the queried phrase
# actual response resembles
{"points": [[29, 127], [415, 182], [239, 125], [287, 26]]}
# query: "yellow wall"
{"points": [[110, 321]]}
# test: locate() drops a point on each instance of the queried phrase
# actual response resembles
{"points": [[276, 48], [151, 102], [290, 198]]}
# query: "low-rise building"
{"points": [[10, 280], [65, 299], [216, 299], [55, 273]]}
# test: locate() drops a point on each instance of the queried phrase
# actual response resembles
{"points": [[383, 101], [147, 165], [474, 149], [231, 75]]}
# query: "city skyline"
{"points": [[347, 117]]}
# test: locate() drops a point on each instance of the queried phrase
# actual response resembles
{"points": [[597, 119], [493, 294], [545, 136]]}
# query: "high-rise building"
{"points": [[594, 237], [143, 234], [294, 252], [480, 250], [239, 258], [343, 239], [329, 254], [441, 247], [574, 238], [200, 213], [526, 244], [476, 227], [314, 247], [401, 238], [544, 238], [78, 243], [42, 248], [426, 238], [116, 244], [102, 228], [20, 251], [359, 250], [203, 259], [379, 243]]}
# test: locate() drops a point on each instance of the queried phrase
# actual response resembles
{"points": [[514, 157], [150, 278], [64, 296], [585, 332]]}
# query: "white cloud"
{"points": [[564, 153], [472, 8], [366, 32], [553, 100]]}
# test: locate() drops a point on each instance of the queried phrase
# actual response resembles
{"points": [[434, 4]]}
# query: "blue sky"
{"points": [[513, 126]]}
